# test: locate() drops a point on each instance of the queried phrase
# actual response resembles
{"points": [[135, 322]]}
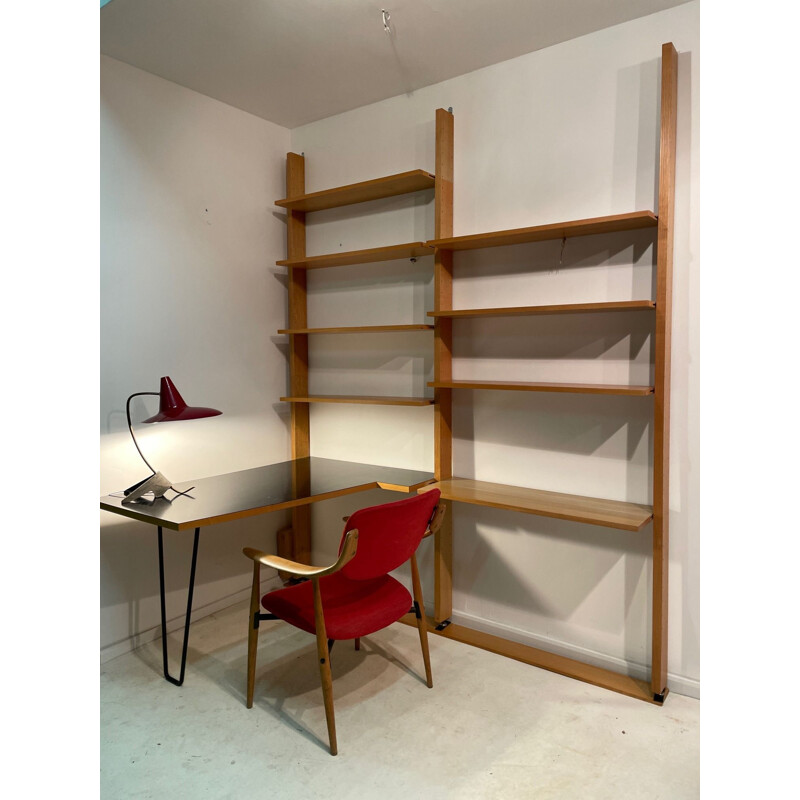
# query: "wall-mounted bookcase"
{"points": [[598, 512], [589, 510], [298, 204]]}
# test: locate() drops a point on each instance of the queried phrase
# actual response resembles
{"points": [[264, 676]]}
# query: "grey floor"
{"points": [[490, 727]]}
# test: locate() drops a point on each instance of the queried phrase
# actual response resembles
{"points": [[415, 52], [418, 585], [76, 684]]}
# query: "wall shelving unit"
{"points": [[295, 543], [599, 512], [589, 510]]}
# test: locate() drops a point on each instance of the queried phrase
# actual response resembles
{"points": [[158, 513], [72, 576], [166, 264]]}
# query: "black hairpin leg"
{"points": [[178, 681]]}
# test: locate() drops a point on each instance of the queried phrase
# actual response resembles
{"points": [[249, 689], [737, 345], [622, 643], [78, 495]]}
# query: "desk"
{"points": [[236, 495]]}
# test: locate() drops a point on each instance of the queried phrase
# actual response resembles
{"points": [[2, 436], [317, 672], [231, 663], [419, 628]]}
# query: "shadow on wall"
{"points": [[563, 423], [129, 580], [552, 255], [533, 566], [637, 135], [403, 218], [385, 363], [380, 293], [556, 337], [555, 271]]}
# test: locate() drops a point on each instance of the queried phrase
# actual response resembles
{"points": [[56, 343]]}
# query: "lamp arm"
{"points": [[130, 426]]}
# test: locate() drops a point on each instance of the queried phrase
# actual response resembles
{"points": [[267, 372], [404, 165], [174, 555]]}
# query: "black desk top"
{"points": [[258, 491]]}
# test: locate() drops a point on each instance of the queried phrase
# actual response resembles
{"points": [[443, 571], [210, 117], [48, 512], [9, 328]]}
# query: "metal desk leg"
{"points": [[179, 681]]}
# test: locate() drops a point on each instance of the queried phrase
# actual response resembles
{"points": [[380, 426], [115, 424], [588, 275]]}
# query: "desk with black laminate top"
{"points": [[236, 495]]}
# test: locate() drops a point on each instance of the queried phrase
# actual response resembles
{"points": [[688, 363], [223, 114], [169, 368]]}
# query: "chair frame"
{"points": [[312, 573]]}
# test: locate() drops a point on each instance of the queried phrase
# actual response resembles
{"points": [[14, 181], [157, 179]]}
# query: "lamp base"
{"points": [[155, 483]]}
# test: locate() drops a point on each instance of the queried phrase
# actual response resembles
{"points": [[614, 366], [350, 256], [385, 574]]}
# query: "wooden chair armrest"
{"points": [[306, 570], [436, 521]]}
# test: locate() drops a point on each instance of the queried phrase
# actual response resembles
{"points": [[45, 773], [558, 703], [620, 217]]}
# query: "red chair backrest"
{"points": [[388, 534]]}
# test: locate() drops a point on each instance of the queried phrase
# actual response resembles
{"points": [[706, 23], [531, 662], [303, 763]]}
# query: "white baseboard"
{"points": [[151, 634], [690, 687]]}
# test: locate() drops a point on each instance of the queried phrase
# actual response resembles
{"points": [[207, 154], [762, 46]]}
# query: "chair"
{"points": [[355, 596]]}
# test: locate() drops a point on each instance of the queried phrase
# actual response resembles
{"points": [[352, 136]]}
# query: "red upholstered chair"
{"points": [[355, 596]]}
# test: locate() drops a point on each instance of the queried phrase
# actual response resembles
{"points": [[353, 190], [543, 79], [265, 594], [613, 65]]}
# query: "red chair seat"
{"points": [[351, 608]]}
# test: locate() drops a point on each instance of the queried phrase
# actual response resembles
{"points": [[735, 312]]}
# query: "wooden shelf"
{"points": [[388, 253], [389, 186], [360, 329], [360, 400], [559, 230], [591, 510], [569, 308], [525, 386]]}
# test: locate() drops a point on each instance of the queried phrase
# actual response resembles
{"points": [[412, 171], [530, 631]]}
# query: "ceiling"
{"points": [[297, 61]]}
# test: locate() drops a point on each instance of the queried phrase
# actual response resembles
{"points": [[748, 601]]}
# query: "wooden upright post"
{"points": [[442, 360], [663, 332], [298, 349]]}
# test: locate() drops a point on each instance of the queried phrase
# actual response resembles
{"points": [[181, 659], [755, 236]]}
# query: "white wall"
{"points": [[563, 133], [189, 289]]}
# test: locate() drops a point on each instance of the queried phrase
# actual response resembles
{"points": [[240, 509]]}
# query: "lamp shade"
{"points": [[172, 406]]}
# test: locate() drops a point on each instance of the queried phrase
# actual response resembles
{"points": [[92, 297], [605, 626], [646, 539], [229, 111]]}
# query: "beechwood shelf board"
{"points": [[376, 400], [559, 230], [566, 308], [359, 329], [525, 386], [391, 252], [592, 510], [389, 186]]}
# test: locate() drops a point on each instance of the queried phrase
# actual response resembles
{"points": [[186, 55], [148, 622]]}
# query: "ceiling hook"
{"points": [[386, 20]]}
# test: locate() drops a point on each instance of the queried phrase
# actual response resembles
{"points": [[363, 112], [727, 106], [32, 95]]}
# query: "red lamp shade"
{"points": [[172, 406]]}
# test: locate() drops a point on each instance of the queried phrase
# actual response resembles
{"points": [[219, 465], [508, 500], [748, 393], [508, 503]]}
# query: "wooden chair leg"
{"points": [[323, 653], [358, 644], [421, 623], [252, 632]]}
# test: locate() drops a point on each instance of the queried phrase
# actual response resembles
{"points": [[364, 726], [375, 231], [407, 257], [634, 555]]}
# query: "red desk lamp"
{"points": [[172, 407]]}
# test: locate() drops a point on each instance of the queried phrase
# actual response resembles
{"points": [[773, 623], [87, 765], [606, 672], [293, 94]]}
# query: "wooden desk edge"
{"points": [[406, 488], [132, 513]]}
